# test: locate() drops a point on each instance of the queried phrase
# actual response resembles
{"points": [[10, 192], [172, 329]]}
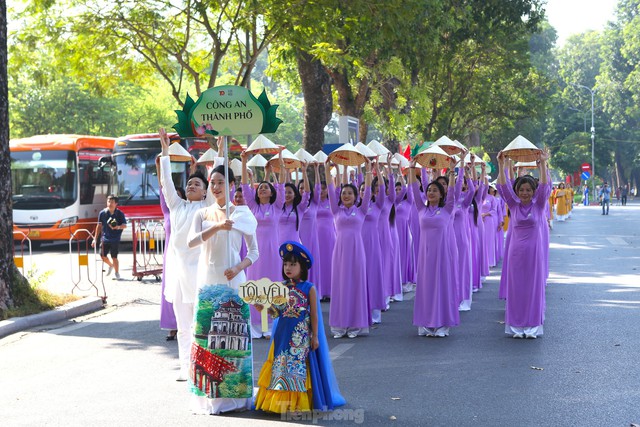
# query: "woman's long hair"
{"points": [[440, 189], [297, 198]]}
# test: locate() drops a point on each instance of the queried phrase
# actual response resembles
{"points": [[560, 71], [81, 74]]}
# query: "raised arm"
{"points": [[364, 206], [245, 173], [414, 188], [331, 190]]}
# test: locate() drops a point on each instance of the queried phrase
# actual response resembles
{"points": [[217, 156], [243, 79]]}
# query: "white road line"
{"points": [[619, 241], [578, 241], [339, 350]]}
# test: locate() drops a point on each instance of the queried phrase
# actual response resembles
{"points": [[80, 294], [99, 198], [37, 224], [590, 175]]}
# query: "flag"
{"points": [[407, 152]]}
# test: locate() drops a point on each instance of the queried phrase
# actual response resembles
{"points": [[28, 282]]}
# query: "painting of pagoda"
{"points": [[221, 363]]}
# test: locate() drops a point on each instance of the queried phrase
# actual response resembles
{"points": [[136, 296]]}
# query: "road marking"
{"points": [[617, 241], [578, 241], [339, 350]]}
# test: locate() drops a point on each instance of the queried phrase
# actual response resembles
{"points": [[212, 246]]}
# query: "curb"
{"points": [[67, 311]]}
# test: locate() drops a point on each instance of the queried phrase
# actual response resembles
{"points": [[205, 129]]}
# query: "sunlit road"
{"points": [[113, 368]]}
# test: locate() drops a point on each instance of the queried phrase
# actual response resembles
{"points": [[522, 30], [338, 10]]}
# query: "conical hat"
{"points": [[177, 153], [305, 156], [521, 150], [478, 159], [341, 168], [208, 158], [263, 145], [433, 157], [402, 161], [347, 155], [365, 151], [236, 166], [257, 161], [320, 156], [290, 161], [378, 148], [527, 165], [449, 146]]}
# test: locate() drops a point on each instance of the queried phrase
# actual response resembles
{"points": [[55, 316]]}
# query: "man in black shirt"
{"points": [[111, 222]]}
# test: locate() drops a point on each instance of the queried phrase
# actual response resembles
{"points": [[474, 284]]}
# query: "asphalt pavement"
{"points": [[113, 367]]}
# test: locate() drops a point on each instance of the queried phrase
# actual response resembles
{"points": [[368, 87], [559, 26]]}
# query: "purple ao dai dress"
{"points": [[371, 241], [288, 226], [349, 305], [390, 260], [309, 236], [463, 242], [436, 299], [269, 264], [490, 219], [326, 237], [405, 246], [525, 260]]}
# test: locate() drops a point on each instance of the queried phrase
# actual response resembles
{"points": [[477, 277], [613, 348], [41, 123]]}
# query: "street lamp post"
{"points": [[593, 137]]}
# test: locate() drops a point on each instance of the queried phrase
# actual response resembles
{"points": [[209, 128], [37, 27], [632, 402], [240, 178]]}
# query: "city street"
{"points": [[114, 367]]}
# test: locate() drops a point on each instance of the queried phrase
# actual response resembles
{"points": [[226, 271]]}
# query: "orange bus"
{"points": [[59, 184]]}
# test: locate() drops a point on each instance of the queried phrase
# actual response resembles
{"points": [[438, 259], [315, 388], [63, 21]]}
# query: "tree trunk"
{"points": [[6, 220], [351, 105], [318, 102]]}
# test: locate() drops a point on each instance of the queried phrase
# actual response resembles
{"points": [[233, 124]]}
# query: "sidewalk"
{"points": [[56, 259]]}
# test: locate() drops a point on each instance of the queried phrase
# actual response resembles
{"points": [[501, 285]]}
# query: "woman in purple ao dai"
{"points": [[490, 220], [349, 310], [266, 205], [404, 206], [371, 240], [463, 241], [436, 300], [309, 227], [390, 260], [526, 254], [293, 210], [326, 237]]}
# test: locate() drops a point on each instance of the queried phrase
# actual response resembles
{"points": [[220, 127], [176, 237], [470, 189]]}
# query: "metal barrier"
{"points": [[148, 246], [90, 268], [18, 258]]}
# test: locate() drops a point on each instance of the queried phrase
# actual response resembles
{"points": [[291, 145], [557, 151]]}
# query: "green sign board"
{"points": [[227, 111]]}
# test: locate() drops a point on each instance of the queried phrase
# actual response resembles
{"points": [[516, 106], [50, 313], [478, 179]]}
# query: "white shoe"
{"points": [[530, 336], [352, 334], [338, 335], [182, 376], [117, 277], [109, 271], [518, 335]]}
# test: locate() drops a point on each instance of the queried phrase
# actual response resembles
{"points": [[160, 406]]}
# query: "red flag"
{"points": [[407, 152]]}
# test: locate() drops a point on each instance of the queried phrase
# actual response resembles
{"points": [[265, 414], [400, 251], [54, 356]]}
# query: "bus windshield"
{"points": [[43, 179], [136, 178]]}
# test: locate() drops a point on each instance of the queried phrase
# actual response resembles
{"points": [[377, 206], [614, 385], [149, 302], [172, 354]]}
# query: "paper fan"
{"points": [[378, 148], [177, 153], [449, 146], [257, 161], [320, 156], [208, 158], [263, 145], [305, 156], [433, 157], [366, 151], [521, 150], [347, 155], [290, 161]]}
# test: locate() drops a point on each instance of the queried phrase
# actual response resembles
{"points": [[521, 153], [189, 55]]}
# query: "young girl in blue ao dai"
{"points": [[297, 375]]}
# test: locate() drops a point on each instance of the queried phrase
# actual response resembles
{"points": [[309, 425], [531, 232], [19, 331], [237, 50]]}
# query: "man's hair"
{"points": [[112, 197]]}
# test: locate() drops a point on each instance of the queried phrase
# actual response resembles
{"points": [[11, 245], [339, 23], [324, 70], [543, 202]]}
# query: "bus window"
{"points": [[43, 179]]}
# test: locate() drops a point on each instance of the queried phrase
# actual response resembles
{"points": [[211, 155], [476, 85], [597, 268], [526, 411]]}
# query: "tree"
{"points": [[7, 267]]}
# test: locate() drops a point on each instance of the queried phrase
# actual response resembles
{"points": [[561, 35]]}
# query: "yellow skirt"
{"points": [[279, 401]]}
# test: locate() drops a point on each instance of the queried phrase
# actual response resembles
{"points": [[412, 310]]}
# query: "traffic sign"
{"points": [[585, 167], [585, 175]]}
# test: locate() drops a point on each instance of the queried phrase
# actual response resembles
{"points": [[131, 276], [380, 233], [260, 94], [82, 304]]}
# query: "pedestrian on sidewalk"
{"points": [[605, 198], [111, 222], [625, 193]]}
